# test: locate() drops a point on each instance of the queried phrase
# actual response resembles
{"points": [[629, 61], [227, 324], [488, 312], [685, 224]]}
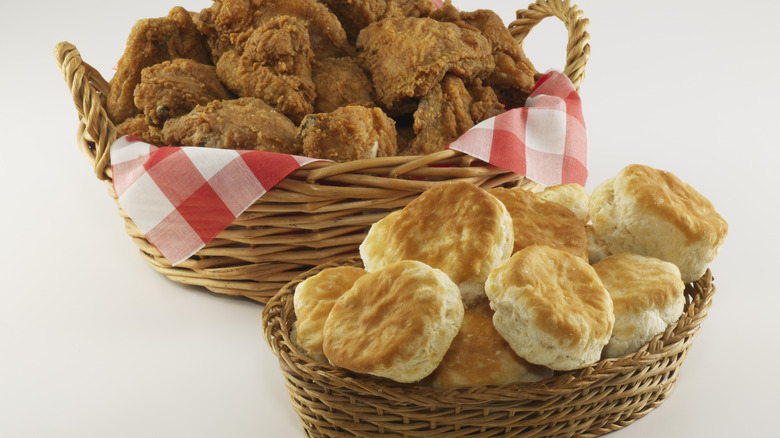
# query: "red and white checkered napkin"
{"points": [[544, 141], [182, 197]]}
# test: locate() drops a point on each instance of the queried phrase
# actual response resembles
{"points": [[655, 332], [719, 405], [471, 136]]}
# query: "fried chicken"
{"points": [[449, 110], [356, 15], [407, 56], [225, 20], [173, 88], [150, 42], [245, 123], [139, 126], [340, 82], [274, 64], [513, 77], [349, 133]]}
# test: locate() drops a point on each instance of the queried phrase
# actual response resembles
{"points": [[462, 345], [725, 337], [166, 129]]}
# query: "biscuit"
{"points": [[572, 196], [480, 356], [651, 212], [597, 249], [313, 299], [647, 296], [537, 221], [455, 226], [396, 322], [551, 308]]}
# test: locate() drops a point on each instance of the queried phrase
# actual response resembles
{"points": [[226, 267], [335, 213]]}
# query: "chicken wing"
{"points": [[274, 64], [173, 88], [449, 110], [139, 126], [150, 42], [349, 133], [224, 20], [513, 76], [340, 82], [407, 56], [245, 123]]}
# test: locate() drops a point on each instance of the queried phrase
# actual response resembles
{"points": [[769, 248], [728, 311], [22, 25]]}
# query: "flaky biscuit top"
{"points": [[389, 317], [537, 221], [665, 195], [454, 227], [639, 283], [560, 291]]}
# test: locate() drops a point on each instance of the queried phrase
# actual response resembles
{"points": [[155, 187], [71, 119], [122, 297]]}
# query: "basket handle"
{"points": [[87, 87], [577, 48]]}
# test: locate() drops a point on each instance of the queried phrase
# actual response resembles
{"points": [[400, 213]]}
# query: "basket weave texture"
{"points": [[593, 401], [317, 214]]}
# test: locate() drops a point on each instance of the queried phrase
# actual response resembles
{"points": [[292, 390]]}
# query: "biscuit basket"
{"points": [[593, 401], [320, 212]]}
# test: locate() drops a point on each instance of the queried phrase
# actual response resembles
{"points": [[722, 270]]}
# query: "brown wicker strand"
{"points": [[577, 49]]}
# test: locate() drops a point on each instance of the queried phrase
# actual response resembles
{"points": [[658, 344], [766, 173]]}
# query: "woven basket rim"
{"points": [[278, 318]]}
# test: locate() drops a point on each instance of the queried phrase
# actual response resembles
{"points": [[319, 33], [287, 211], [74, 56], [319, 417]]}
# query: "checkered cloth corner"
{"points": [[545, 141], [182, 197]]}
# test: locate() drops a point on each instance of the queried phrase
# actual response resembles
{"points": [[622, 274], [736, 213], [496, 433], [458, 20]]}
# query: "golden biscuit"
{"points": [[651, 212], [396, 322], [572, 196], [537, 221], [456, 227], [313, 299], [551, 308], [647, 296], [480, 356]]}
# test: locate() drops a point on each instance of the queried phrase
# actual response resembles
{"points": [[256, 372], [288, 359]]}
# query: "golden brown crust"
{"points": [[456, 227], [340, 82], [397, 322], [637, 283], [150, 42], [406, 57], [273, 63], [349, 133], [173, 88], [450, 109], [313, 300], [226, 19], [665, 195], [140, 127], [551, 307], [245, 123], [537, 221], [479, 355]]}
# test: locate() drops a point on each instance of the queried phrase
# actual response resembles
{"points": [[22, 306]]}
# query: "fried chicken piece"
{"points": [[355, 15], [245, 123], [173, 88], [140, 127], [340, 82], [225, 20], [513, 77], [406, 57], [152, 41], [449, 110], [274, 64], [349, 133]]}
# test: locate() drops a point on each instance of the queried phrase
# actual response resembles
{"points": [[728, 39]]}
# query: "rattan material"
{"points": [[593, 401], [317, 214]]}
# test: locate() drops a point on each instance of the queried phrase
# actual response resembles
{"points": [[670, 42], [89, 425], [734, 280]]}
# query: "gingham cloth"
{"points": [[182, 197]]}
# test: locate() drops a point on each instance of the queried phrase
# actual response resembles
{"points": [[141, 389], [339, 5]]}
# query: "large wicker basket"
{"points": [[317, 214], [593, 401]]}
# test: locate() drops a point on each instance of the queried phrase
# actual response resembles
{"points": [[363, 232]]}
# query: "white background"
{"points": [[95, 343]]}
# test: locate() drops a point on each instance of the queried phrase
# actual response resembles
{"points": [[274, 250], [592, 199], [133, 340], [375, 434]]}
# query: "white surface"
{"points": [[95, 343]]}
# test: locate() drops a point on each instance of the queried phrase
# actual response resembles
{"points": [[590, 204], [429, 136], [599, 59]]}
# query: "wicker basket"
{"points": [[317, 214], [593, 401]]}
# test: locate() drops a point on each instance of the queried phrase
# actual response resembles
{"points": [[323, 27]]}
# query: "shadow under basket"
{"points": [[320, 212], [593, 401]]}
